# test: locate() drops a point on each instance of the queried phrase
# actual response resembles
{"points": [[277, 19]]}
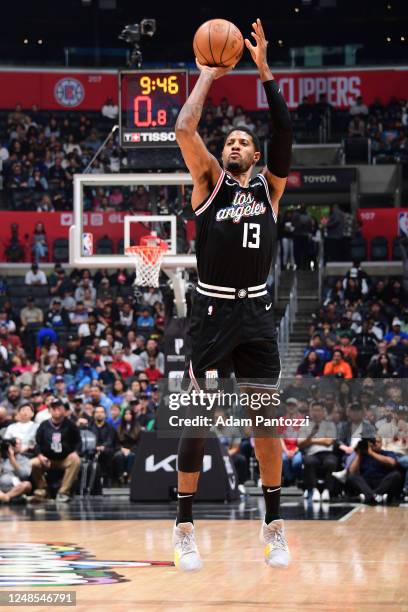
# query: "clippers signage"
{"points": [[321, 180], [152, 105], [154, 475]]}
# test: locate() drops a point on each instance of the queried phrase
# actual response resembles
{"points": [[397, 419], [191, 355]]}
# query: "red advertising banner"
{"points": [[57, 90], [387, 222], [57, 225], [88, 90]]}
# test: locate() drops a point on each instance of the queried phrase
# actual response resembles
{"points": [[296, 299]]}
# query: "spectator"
{"points": [[356, 128], [106, 443], [359, 108], [120, 365], [291, 455], [24, 429], [128, 436], [13, 400], [287, 228], [152, 371], [317, 446], [110, 110], [374, 474], [30, 314], [334, 234], [303, 226], [58, 442], [40, 247], [395, 337], [152, 350], [311, 365], [35, 276], [338, 366], [15, 471], [100, 399], [57, 316]]}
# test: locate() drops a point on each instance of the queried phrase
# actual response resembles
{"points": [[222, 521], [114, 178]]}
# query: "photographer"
{"points": [[24, 429], [374, 473], [317, 447], [15, 469]]}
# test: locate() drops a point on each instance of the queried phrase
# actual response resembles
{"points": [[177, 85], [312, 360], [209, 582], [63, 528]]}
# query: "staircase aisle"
{"points": [[308, 303]]}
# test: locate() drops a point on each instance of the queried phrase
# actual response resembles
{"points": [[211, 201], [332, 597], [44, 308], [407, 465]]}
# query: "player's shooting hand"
{"points": [[215, 71], [258, 51]]}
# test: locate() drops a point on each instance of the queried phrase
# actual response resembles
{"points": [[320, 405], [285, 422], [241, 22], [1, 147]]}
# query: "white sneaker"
{"points": [[186, 555], [362, 498], [242, 489], [381, 499], [306, 494], [316, 497], [326, 495], [276, 550], [341, 476]]}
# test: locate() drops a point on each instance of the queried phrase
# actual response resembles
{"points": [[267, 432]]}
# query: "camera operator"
{"points": [[374, 473], [24, 429], [58, 443], [15, 469]]}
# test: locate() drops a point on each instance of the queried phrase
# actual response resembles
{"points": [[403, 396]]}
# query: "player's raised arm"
{"points": [[204, 168], [280, 144]]}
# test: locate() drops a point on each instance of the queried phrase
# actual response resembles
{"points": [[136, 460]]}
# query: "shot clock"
{"points": [[150, 102]]}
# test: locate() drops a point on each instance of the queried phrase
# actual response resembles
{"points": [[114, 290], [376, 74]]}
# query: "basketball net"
{"points": [[148, 256]]}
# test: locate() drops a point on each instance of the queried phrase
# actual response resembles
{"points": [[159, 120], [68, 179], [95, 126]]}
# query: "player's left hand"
{"points": [[258, 51]]}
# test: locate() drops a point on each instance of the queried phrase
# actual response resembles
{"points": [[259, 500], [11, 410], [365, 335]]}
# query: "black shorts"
{"points": [[233, 335]]}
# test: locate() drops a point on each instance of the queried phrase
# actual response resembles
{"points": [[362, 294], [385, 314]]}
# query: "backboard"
{"points": [[106, 217]]}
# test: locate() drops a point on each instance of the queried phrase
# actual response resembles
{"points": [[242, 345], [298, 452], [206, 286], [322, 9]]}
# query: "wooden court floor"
{"points": [[359, 564]]}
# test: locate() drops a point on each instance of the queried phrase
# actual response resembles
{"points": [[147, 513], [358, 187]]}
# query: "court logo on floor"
{"points": [[29, 564]]}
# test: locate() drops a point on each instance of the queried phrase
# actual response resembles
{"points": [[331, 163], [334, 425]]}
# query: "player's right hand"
{"points": [[215, 71]]}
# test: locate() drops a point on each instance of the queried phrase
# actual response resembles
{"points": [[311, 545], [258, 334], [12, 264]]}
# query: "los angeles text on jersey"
{"points": [[243, 205], [149, 136]]}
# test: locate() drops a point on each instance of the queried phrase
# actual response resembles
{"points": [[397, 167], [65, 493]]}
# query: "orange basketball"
{"points": [[218, 43]]}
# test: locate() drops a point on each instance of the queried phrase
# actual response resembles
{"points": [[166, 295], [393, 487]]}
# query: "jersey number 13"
{"points": [[254, 230]]}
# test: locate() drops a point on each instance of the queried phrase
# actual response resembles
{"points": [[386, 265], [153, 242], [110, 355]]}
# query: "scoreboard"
{"points": [[149, 104]]}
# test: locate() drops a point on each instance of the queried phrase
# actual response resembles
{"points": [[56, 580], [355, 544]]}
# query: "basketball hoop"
{"points": [[148, 256]]}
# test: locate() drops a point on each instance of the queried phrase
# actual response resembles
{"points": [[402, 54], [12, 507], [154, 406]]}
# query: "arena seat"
{"points": [[104, 246], [379, 248], [396, 250], [358, 249], [60, 250]]}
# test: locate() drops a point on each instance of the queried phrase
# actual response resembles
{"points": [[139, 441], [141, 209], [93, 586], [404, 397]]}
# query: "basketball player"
{"points": [[232, 321]]}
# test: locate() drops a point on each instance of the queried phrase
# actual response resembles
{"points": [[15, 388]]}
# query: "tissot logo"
{"points": [[149, 137], [169, 464]]}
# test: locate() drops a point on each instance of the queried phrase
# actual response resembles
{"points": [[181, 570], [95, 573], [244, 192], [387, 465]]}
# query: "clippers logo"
{"points": [[69, 92], [149, 137], [25, 564], [243, 205], [295, 180]]}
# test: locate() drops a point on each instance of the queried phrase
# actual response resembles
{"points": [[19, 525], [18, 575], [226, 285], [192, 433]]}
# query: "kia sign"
{"points": [[154, 474], [326, 180]]}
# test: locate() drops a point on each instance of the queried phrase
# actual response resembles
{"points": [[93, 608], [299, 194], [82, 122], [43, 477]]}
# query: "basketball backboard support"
{"points": [[92, 246]]}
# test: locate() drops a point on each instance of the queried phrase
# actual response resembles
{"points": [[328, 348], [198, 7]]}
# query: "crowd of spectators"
{"points": [[90, 360], [40, 151]]}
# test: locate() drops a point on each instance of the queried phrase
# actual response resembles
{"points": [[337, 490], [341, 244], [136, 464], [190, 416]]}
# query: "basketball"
{"points": [[218, 43]]}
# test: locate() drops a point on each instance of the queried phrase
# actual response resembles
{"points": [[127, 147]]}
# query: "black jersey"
{"points": [[236, 233]]}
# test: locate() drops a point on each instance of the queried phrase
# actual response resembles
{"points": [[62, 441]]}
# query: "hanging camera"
{"points": [[132, 34]]}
